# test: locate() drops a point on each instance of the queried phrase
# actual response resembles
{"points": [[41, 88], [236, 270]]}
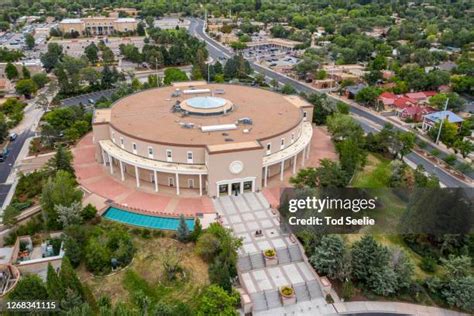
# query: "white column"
{"points": [[229, 189], [177, 184], [200, 184], [137, 176], [307, 150], [103, 157], [303, 156], [241, 187], [121, 170], [155, 176], [294, 164], [265, 176], [111, 165], [282, 168]]}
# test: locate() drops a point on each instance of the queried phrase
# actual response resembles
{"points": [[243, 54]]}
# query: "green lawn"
{"points": [[376, 175]]}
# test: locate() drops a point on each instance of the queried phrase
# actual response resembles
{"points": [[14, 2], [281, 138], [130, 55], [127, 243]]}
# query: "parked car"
{"points": [[13, 136], [4, 154]]}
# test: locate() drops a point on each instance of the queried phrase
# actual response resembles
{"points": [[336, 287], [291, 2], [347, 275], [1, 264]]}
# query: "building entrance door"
{"points": [[235, 188]]}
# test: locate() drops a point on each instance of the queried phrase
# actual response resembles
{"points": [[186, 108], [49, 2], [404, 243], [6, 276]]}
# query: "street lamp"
{"points": [[442, 120]]}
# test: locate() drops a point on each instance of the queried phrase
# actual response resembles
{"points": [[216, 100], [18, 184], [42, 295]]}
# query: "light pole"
{"points": [[208, 72], [442, 120]]}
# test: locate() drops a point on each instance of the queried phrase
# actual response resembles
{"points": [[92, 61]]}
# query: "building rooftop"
{"points": [[126, 20], [71, 21], [148, 115], [436, 116]]}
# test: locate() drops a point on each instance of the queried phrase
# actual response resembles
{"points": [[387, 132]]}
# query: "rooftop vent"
{"points": [[176, 93], [217, 128], [187, 125], [196, 91], [245, 121]]}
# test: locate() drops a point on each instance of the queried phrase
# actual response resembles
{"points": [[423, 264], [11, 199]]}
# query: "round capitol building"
{"points": [[212, 139]]}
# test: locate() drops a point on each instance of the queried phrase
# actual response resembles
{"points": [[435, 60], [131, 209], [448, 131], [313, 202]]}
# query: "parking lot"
{"points": [[271, 55], [75, 47]]}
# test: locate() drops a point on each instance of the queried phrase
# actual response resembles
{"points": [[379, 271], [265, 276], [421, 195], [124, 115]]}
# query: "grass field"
{"points": [[146, 273]]}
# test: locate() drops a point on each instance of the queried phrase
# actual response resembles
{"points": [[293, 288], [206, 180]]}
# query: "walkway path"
{"points": [[392, 307]]}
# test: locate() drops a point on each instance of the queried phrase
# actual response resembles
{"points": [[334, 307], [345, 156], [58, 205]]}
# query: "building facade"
{"points": [[215, 139], [98, 25]]}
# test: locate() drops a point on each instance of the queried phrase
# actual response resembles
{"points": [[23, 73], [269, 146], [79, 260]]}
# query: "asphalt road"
{"points": [[84, 98], [7, 165], [369, 121]]}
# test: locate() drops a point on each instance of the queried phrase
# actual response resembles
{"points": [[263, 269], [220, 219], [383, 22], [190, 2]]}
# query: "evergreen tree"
{"points": [[11, 71], [183, 231], [30, 287], [26, 73], [70, 280], [219, 274], [53, 285], [197, 231], [368, 258], [328, 257], [92, 53], [62, 160]]}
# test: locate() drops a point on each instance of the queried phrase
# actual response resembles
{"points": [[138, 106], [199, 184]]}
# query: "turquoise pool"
{"points": [[148, 221]]}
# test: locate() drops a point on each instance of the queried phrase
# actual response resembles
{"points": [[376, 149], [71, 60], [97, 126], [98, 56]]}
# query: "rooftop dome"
{"points": [[206, 105], [206, 102]]}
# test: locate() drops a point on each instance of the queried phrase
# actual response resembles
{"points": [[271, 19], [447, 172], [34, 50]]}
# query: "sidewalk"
{"points": [[392, 307]]}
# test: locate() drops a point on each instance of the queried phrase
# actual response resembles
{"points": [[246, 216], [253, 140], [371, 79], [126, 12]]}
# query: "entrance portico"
{"points": [[235, 186]]}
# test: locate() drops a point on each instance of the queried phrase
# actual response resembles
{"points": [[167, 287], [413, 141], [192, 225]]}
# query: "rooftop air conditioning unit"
{"points": [[187, 125], [176, 93], [245, 121]]}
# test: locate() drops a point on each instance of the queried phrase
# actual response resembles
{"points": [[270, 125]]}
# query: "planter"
{"points": [[287, 294], [270, 257]]}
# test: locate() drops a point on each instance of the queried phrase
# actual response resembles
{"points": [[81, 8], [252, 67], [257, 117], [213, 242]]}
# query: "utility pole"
{"points": [[442, 120], [208, 72]]}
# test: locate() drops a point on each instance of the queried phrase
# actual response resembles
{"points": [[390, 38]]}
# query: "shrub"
{"points": [[329, 299], [435, 152], [88, 212], [450, 159], [347, 290], [428, 264], [158, 233], [146, 233]]}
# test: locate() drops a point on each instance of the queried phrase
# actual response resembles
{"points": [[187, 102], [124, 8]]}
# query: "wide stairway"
{"points": [[250, 217]]}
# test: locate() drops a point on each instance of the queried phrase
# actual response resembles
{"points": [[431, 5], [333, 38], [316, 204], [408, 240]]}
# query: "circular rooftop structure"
{"points": [[205, 119], [206, 105]]}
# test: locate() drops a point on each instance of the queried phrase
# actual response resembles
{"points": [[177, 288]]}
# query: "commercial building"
{"points": [[215, 139], [98, 25]]}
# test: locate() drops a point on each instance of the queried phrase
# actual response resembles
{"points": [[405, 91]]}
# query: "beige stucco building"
{"points": [[217, 139], [98, 25]]}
